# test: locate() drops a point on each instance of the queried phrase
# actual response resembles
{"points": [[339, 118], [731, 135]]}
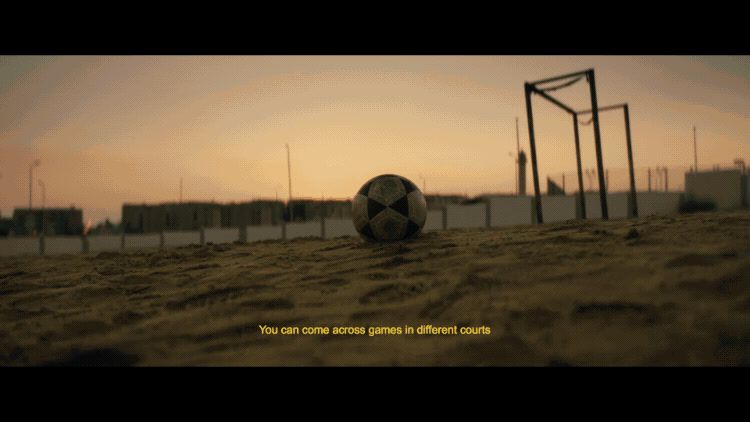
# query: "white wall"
{"points": [[511, 210], [101, 243], [222, 235], [303, 229], [467, 216], [141, 241], [336, 227], [182, 238], [617, 205], [63, 244], [434, 220], [19, 246], [256, 233], [558, 208], [661, 203]]}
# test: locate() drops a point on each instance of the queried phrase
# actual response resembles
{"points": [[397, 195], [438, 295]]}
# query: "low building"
{"points": [[303, 209], [254, 213], [437, 202], [145, 218], [6, 226], [725, 188], [53, 221], [188, 216]]}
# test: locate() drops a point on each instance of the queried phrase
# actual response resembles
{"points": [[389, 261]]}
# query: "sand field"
{"points": [[651, 291]]}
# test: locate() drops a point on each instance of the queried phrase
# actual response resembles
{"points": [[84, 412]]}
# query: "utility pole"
{"points": [[658, 178], [695, 149], [36, 163], [518, 153], [515, 164], [606, 178], [44, 200], [44, 192], [289, 170]]}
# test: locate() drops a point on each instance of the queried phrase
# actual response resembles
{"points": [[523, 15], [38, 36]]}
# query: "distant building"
{"points": [[313, 209], [254, 213], [54, 221], [725, 188], [436, 202], [145, 218], [170, 217], [6, 226]]}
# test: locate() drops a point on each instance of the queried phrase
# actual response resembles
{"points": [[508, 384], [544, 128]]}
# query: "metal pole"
{"points": [[557, 78], [649, 179], [518, 139], [44, 192], [44, 200], [518, 154], [31, 185], [289, 169], [35, 163], [598, 143], [633, 200], [581, 189], [530, 118], [554, 100], [515, 161], [695, 149]]}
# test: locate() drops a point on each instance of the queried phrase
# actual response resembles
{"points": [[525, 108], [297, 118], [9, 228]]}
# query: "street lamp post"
{"points": [[44, 200], [515, 164], [289, 171], [36, 163]]}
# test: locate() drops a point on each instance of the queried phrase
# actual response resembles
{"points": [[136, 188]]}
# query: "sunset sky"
{"points": [[120, 129]]}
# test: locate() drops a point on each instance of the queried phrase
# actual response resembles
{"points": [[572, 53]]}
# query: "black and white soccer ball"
{"points": [[389, 207]]}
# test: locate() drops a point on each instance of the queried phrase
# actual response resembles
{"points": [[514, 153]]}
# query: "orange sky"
{"points": [[110, 130]]}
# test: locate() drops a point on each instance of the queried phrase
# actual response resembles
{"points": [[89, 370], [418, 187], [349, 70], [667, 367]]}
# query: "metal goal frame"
{"points": [[534, 88]]}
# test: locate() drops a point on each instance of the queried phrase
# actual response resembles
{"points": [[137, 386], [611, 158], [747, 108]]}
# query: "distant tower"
{"points": [[521, 173]]}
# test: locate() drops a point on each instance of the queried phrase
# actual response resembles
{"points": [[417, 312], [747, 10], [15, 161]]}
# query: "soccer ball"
{"points": [[389, 207]]}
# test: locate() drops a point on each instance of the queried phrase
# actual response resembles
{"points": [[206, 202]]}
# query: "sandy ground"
{"points": [[654, 291]]}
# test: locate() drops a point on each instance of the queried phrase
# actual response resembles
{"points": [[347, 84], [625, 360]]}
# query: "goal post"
{"points": [[543, 91], [626, 112]]}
